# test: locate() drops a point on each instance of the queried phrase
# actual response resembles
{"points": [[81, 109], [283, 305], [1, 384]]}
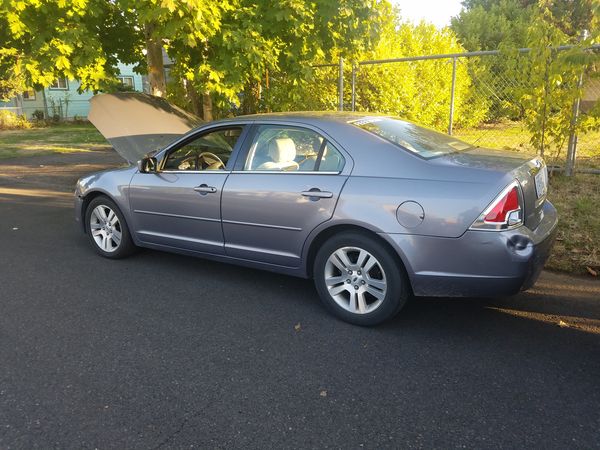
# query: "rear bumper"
{"points": [[479, 263]]}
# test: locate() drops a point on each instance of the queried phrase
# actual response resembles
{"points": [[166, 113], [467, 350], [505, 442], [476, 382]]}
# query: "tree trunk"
{"points": [[251, 98], [46, 115], [207, 110], [195, 103], [154, 59]]}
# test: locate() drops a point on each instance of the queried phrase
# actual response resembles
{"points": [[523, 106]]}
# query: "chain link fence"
{"points": [[474, 96]]}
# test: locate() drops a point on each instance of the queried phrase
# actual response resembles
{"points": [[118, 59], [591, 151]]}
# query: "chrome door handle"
{"points": [[205, 189], [317, 193]]}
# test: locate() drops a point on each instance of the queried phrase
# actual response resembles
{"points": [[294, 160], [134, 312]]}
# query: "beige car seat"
{"points": [[282, 153]]}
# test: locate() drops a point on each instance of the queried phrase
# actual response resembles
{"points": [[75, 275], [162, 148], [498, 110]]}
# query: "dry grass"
{"points": [[578, 243]]}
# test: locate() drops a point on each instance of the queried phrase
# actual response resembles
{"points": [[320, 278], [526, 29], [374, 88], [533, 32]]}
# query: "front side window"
{"points": [[210, 151], [60, 83], [291, 149], [421, 141]]}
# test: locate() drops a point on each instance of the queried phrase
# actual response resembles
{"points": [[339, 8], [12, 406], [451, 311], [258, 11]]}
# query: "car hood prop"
{"points": [[136, 124]]}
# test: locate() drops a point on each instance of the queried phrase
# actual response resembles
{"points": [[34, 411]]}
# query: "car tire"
{"points": [[359, 279], [107, 230]]}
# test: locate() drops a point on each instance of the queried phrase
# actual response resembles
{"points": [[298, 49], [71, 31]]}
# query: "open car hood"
{"points": [[136, 124]]}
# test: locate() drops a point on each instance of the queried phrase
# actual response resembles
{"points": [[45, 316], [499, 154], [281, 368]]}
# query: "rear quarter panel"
{"points": [[450, 207], [384, 176]]}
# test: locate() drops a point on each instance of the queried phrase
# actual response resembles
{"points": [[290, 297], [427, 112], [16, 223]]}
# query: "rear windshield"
{"points": [[425, 143]]}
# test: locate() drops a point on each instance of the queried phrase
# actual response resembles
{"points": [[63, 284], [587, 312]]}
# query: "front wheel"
{"points": [[107, 230], [359, 279]]}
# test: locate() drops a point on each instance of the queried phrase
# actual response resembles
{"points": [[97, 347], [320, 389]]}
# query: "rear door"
{"points": [[180, 205], [287, 181]]}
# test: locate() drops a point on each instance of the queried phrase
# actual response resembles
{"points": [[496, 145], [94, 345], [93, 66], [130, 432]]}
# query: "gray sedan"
{"points": [[373, 208]]}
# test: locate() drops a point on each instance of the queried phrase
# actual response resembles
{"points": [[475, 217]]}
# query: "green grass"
{"points": [[513, 136], [64, 138]]}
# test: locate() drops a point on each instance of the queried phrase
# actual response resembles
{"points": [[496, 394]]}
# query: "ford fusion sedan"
{"points": [[374, 209]]}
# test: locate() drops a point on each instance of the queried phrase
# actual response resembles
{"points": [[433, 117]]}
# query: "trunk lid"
{"points": [[528, 171], [136, 124]]}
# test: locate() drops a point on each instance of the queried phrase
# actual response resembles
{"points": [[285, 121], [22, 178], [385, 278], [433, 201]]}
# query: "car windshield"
{"points": [[425, 143]]}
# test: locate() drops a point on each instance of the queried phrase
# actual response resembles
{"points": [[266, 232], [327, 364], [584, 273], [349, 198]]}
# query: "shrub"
{"points": [[38, 115], [79, 120], [11, 121]]}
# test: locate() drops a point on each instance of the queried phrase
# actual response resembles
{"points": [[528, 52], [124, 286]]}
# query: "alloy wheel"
{"points": [[105, 228], [355, 280]]}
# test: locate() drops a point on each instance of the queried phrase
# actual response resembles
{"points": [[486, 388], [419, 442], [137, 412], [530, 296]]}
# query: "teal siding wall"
{"points": [[68, 103]]}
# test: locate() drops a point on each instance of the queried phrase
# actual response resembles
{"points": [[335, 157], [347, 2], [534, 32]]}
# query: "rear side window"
{"points": [[291, 149], [422, 141]]}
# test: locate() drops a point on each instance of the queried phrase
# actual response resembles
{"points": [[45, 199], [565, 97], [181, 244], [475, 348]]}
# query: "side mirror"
{"points": [[147, 164]]}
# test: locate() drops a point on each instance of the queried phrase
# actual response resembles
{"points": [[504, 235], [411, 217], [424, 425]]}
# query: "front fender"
{"points": [[113, 183]]}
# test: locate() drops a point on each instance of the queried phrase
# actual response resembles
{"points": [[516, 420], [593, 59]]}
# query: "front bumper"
{"points": [[479, 263]]}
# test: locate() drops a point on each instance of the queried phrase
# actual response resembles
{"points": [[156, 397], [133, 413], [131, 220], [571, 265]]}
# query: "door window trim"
{"points": [[198, 133], [249, 140]]}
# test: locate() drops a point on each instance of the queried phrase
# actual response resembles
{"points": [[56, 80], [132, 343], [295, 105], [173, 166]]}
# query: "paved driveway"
{"points": [[166, 351]]}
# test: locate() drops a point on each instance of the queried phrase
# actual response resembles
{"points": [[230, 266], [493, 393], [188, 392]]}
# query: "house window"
{"points": [[127, 82], [60, 83], [29, 94]]}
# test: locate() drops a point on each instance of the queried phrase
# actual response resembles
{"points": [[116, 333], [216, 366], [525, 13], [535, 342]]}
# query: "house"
{"points": [[591, 94], [62, 99]]}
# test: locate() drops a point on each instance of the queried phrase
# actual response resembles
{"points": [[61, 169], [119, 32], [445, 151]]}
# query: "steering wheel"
{"points": [[209, 161]]}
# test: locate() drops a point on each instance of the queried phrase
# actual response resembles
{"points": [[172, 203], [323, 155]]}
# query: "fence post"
{"points": [[341, 84], [450, 120], [572, 147], [353, 87]]}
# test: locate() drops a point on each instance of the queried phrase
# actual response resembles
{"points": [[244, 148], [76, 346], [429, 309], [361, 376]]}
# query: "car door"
{"points": [[179, 205], [287, 181]]}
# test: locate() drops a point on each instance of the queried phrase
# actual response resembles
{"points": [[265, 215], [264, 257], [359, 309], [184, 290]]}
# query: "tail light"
{"points": [[505, 212]]}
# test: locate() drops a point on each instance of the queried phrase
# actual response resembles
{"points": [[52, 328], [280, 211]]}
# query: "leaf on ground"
{"points": [[591, 271], [297, 327], [323, 393]]}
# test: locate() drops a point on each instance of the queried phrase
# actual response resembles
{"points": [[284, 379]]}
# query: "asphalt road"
{"points": [[169, 351]]}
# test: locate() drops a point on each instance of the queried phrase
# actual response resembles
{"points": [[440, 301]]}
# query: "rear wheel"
{"points": [[107, 230], [359, 279]]}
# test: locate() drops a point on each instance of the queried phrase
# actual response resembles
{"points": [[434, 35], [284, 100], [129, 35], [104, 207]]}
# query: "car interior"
{"points": [[274, 149], [288, 149], [208, 152]]}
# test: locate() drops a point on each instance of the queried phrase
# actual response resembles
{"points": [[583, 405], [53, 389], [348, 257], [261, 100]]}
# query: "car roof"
{"points": [[305, 117]]}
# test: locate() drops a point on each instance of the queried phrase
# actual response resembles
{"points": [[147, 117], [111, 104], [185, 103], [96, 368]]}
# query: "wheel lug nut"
{"points": [[349, 272], [355, 286], [348, 280], [362, 282], [359, 272]]}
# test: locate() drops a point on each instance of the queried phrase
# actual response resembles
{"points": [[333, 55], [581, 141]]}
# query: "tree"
{"points": [[549, 81], [260, 37], [507, 25], [76, 39], [485, 24], [221, 49], [418, 91]]}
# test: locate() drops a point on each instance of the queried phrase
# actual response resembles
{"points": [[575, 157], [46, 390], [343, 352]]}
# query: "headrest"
{"points": [[282, 150]]}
